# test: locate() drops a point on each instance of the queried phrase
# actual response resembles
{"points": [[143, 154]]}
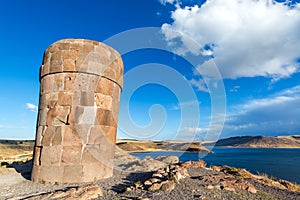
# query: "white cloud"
{"points": [[164, 2], [32, 107], [276, 114], [234, 89], [199, 84], [247, 38], [191, 133], [186, 104]]}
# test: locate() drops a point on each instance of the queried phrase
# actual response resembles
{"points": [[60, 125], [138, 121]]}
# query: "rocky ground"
{"points": [[160, 178]]}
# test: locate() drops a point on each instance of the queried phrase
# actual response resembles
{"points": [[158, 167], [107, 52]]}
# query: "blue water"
{"points": [[280, 163]]}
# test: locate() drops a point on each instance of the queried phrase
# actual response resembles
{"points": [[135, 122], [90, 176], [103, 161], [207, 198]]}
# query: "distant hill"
{"points": [[260, 142], [148, 146]]}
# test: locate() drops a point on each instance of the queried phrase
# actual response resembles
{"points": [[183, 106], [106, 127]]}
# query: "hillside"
{"points": [[147, 146], [11, 150], [261, 142]]}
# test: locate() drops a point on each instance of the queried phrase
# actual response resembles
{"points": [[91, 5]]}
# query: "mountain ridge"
{"points": [[292, 141]]}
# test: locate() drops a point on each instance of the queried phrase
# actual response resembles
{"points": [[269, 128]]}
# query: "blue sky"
{"points": [[253, 45]]}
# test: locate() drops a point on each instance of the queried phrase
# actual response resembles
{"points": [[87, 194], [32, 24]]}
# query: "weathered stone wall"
{"points": [[81, 81]]}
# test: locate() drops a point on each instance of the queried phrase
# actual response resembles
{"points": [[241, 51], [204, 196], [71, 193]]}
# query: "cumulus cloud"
{"points": [[32, 107], [245, 38], [277, 114]]}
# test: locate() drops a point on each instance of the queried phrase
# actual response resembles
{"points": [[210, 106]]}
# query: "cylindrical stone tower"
{"points": [[81, 81]]}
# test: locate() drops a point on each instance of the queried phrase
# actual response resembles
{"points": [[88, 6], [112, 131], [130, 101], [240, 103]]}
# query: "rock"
{"points": [[151, 165], [91, 192], [179, 174], [168, 159], [216, 168], [183, 172], [210, 187], [86, 192], [229, 189], [148, 183], [155, 187], [154, 180], [167, 186], [165, 179], [198, 164], [251, 189], [186, 164], [229, 182], [194, 164], [156, 175]]}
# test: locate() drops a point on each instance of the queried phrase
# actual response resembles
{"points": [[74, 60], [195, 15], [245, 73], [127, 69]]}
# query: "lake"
{"points": [[280, 163]]}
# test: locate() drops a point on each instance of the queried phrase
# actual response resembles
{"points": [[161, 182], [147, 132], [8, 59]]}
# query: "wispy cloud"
{"points": [[235, 89], [32, 107], [275, 114], [199, 84], [186, 104]]}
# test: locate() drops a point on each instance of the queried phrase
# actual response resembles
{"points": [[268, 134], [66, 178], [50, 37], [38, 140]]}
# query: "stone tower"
{"points": [[81, 81]]}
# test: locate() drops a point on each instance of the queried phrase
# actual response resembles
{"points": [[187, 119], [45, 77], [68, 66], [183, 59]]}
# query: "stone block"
{"points": [[42, 116], [71, 136], [42, 101], [76, 46], [96, 171], [91, 154], [57, 137], [103, 101], [56, 66], [51, 155], [87, 48], [45, 69], [88, 116], [55, 56], [39, 135], [65, 98], [35, 173], [71, 155], [68, 65], [58, 115], [37, 155], [110, 74], [58, 84], [69, 55], [83, 131], [51, 174], [69, 80], [87, 99], [48, 134], [110, 133], [72, 174], [64, 46], [47, 84], [105, 117], [105, 86], [75, 113], [102, 135]]}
